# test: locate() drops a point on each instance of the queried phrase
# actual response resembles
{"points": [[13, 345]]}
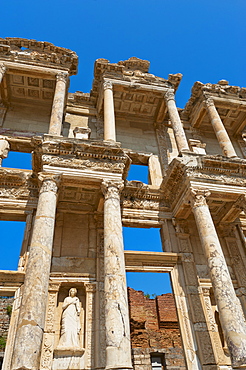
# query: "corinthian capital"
{"points": [[198, 197], [49, 182], [62, 76], [169, 95], [107, 85], [209, 102], [112, 189], [2, 69]]}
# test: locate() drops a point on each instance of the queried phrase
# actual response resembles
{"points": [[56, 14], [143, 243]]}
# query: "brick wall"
{"points": [[154, 329]]}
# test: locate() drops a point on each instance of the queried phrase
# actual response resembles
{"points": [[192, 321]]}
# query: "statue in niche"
{"points": [[70, 322]]}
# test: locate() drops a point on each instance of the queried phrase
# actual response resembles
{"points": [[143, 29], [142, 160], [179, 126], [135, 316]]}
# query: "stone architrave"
{"points": [[219, 129], [109, 117], [2, 71], [118, 345], [58, 104], [177, 126], [232, 321], [4, 148], [30, 328]]}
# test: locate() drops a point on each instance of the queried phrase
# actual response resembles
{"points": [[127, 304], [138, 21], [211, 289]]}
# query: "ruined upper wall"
{"points": [[40, 53]]}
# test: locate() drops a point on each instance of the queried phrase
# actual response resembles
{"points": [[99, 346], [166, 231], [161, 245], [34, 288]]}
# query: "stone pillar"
{"points": [[118, 345], [29, 335], [90, 337], [109, 118], [4, 149], [2, 71], [219, 129], [58, 104], [177, 126], [232, 321]]}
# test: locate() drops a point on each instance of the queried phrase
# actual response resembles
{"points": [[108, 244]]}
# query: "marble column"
{"points": [[177, 126], [219, 129], [232, 320], [118, 345], [58, 104], [2, 71], [4, 148], [109, 118], [30, 328]]}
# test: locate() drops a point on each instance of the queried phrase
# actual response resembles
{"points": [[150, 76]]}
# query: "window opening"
{"points": [[157, 362], [12, 234], [139, 239], [138, 172], [18, 160]]}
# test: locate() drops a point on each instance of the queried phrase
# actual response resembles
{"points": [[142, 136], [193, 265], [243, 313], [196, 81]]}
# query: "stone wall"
{"points": [[154, 329]]}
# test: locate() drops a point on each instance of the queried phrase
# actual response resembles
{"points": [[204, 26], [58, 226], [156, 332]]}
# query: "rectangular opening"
{"points": [[138, 172], [18, 160], [153, 322], [12, 234], [139, 239]]}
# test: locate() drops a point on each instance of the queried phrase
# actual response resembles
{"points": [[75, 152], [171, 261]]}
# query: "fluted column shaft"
{"points": [[2, 71], [230, 312], [219, 129], [109, 117], [58, 104], [177, 126], [31, 320], [118, 346]]}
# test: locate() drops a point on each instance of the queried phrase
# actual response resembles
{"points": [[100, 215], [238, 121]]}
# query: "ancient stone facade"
{"points": [[76, 199]]}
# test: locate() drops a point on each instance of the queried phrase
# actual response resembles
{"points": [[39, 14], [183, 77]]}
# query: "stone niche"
{"points": [[69, 358]]}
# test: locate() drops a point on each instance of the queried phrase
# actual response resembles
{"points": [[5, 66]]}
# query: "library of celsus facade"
{"points": [[71, 309]]}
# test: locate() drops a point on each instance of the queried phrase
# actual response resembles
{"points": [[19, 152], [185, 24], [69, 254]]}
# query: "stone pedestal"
{"points": [[219, 129], [31, 320], [109, 118], [4, 148], [58, 104], [118, 346], [68, 359], [177, 126], [82, 133], [231, 318]]}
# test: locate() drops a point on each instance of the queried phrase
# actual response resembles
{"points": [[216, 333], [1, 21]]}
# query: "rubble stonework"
{"points": [[76, 198]]}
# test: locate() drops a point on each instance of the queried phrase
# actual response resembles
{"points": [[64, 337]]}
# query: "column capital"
{"points": [[49, 182], [62, 76], [209, 101], [112, 189], [90, 287], [107, 85], [2, 68], [198, 197], [169, 95]]}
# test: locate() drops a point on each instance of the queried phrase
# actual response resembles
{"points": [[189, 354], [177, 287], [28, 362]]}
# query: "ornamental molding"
{"points": [[83, 164]]}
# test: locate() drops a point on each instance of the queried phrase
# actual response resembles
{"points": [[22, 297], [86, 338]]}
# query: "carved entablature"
{"points": [[18, 185], [87, 155], [38, 52], [230, 102], [137, 195]]}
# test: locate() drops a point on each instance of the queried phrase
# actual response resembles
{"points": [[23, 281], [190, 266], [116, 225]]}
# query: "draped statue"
{"points": [[70, 322]]}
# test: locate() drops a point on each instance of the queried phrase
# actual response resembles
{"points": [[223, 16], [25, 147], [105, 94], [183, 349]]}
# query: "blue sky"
{"points": [[203, 40]]}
